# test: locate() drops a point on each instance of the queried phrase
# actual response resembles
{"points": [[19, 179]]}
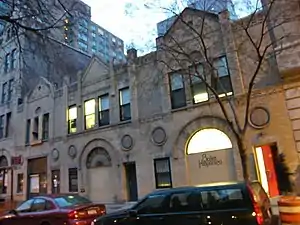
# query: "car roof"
{"points": [[55, 195], [211, 186]]}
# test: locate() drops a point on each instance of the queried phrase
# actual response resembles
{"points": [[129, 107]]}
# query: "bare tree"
{"points": [[191, 49], [34, 37]]}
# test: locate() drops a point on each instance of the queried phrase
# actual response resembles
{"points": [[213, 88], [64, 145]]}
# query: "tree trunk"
{"points": [[244, 158]]}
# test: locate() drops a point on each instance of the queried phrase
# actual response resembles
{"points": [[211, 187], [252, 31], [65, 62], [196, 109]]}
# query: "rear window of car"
{"points": [[227, 198], [70, 200]]}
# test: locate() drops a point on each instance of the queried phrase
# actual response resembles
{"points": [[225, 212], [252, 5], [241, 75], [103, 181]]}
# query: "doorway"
{"points": [[266, 168], [37, 177], [131, 181]]}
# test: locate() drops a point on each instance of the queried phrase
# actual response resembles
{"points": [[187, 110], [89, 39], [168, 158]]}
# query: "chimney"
{"points": [[131, 54]]}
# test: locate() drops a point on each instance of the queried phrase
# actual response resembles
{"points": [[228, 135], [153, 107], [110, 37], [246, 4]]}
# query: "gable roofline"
{"points": [[94, 58], [200, 12], [42, 80]]}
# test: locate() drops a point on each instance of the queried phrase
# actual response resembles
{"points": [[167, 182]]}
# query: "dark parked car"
{"points": [[218, 204], [54, 210]]}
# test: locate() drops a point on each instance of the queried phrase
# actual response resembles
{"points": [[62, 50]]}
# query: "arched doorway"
{"points": [[3, 174], [210, 158], [99, 170]]}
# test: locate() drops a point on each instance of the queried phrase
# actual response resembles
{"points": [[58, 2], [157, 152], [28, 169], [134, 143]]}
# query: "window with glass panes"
{"points": [[45, 127], [221, 78], [162, 169], [72, 119], [104, 110], [89, 113], [20, 183], [178, 98], [125, 109], [6, 63], [73, 180], [13, 59], [198, 87], [10, 89], [4, 92], [2, 126]]}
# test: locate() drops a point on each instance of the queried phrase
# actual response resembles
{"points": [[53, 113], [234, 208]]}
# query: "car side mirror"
{"points": [[14, 212], [133, 213]]}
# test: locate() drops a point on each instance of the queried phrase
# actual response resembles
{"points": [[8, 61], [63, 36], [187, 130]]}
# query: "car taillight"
{"points": [[72, 215], [257, 210]]}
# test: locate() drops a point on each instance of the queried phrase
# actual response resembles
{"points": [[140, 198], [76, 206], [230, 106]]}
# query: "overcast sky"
{"points": [[139, 27]]}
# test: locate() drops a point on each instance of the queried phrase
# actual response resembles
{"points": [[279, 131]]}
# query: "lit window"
{"points": [[89, 113], [72, 118], [201, 141], [162, 171]]}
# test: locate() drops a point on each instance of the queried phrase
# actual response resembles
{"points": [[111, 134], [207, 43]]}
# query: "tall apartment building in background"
{"points": [[82, 33], [214, 6]]}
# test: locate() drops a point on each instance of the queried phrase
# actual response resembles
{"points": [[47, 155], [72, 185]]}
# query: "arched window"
{"points": [[98, 157], [208, 140]]}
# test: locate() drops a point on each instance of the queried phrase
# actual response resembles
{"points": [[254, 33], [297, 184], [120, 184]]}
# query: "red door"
{"points": [[270, 170]]}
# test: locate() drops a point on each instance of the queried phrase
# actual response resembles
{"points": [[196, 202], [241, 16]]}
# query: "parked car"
{"points": [[216, 204], [54, 210]]}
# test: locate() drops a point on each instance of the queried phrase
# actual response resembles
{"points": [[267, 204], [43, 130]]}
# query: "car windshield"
{"points": [[70, 200]]}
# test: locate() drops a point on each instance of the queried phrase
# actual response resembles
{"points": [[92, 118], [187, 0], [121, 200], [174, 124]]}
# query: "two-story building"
{"points": [[115, 133]]}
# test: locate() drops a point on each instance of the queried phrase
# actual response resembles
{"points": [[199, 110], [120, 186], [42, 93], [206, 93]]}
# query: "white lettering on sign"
{"points": [[208, 160]]}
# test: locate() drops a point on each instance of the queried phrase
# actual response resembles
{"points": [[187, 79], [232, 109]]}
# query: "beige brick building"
{"points": [[119, 132]]}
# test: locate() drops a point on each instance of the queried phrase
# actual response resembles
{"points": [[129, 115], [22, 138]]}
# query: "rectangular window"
{"points": [[198, 87], [223, 198], [35, 131], [27, 137], [73, 180], [6, 63], [13, 59], [3, 181], [4, 92], [72, 119], [8, 125], [10, 89], [104, 110], [178, 98], [221, 80], [89, 113], [162, 169], [45, 134], [55, 181], [125, 109], [20, 183], [1, 126]]}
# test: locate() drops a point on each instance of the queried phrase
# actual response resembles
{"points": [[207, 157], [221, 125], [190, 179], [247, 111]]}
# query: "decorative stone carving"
{"points": [[72, 152], [159, 136], [98, 157], [127, 142], [259, 117], [55, 154]]}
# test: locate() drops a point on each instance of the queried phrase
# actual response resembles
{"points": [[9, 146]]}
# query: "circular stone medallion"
{"points": [[55, 154], [72, 151], [127, 142], [159, 136], [259, 117]]}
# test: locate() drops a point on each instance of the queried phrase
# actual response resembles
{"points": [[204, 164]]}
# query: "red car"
{"points": [[54, 210]]}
